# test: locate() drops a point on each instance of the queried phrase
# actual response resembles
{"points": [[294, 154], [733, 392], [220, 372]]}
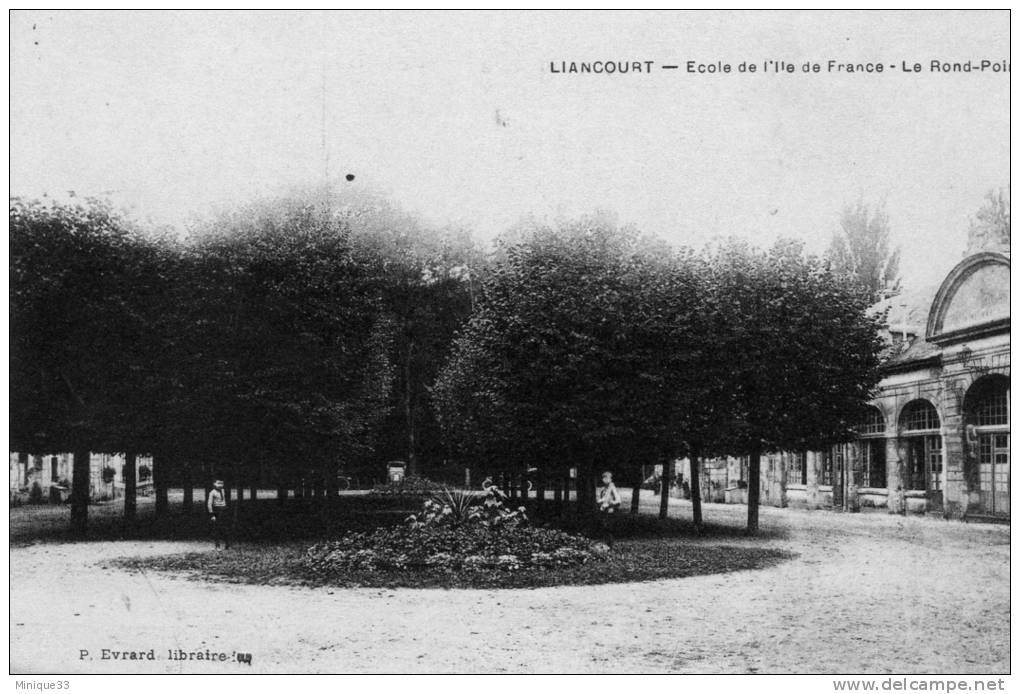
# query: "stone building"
{"points": [[48, 477], [936, 439]]}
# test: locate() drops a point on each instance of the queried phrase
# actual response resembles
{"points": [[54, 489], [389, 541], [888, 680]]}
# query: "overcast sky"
{"points": [[458, 117]]}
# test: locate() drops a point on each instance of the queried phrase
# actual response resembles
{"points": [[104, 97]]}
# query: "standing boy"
{"points": [[609, 502], [217, 507]]}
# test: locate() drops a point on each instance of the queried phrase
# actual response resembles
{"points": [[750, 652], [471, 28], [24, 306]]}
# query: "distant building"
{"points": [[48, 478]]}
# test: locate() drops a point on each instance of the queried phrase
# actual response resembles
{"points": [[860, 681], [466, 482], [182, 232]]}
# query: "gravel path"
{"points": [[866, 593]]}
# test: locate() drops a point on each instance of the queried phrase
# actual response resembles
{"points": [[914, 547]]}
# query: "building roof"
{"points": [[914, 318], [917, 350], [908, 310]]}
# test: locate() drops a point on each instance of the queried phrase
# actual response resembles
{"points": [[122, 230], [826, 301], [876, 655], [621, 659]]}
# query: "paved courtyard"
{"points": [[865, 593]]}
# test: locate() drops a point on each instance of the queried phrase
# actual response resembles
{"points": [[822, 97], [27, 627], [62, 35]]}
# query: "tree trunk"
{"points": [[281, 492], [753, 492], [189, 488], [240, 494], [82, 472], [524, 487], [159, 481], [330, 487], [540, 492], [412, 457], [696, 488], [664, 500], [511, 487], [586, 488], [635, 494], [558, 495], [130, 485]]}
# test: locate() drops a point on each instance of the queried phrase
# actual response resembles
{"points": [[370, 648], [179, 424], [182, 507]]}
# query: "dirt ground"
{"points": [[866, 593]]}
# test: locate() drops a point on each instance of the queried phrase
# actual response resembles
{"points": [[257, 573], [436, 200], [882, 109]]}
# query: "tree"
{"points": [[861, 249], [82, 280], [796, 355], [289, 343], [989, 229], [427, 279], [574, 354]]}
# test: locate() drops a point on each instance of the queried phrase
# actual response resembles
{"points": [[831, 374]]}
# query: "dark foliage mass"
{"points": [[272, 346], [309, 336]]}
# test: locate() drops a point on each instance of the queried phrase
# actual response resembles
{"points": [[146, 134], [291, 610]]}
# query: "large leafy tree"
{"points": [[862, 249], [262, 344], [796, 355], [84, 303], [427, 280], [288, 344], [574, 354]]}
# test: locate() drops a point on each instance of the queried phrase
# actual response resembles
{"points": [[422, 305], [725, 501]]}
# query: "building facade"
{"points": [[47, 478]]}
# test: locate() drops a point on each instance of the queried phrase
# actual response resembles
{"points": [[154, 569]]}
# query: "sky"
{"points": [[459, 117]]}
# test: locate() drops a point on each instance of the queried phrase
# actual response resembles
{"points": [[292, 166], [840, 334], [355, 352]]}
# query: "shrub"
{"points": [[109, 474], [410, 485], [454, 507], [35, 494], [465, 547], [144, 473]]}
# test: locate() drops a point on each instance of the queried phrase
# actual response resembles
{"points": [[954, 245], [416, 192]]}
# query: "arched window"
{"points": [[874, 422], [919, 415], [987, 402]]}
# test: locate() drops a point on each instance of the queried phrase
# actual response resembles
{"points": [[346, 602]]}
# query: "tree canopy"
{"points": [[989, 229], [862, 249], [310, 333], [593, 346]]}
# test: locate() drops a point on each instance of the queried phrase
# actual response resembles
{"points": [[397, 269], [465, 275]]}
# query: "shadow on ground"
{"points": [[268, 521]]}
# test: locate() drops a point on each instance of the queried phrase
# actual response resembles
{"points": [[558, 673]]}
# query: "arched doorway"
{"points": [[921, 435], [986, 416]]}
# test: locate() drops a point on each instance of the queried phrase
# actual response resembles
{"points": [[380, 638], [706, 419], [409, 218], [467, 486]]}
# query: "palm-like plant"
{"points": [[459, 503]]}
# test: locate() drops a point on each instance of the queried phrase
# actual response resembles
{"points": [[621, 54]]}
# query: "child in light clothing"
{"points": [[609, 502], [217, 507]]}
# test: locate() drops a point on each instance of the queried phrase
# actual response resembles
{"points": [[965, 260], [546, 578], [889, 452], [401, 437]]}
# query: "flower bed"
{"points": [[456, 548]]}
